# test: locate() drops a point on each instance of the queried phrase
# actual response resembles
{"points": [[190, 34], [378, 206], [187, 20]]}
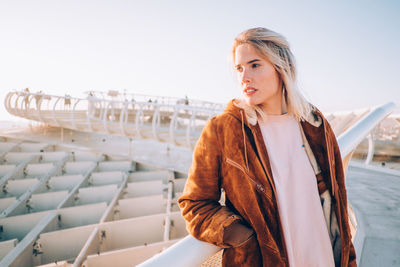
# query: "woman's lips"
{"points": [[249, 90]]}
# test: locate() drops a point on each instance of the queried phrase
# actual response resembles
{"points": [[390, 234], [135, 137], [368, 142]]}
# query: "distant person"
{"points": [[26, 98], [67, 102], [278, 161]]}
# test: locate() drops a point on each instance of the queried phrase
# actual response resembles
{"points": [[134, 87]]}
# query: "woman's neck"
{"points": [[275, 106]]}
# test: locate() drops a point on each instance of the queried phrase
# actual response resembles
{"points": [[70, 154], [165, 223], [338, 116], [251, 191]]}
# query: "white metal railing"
{"points": [[178, 121], [134, 97], [192, 252], [166, 119]]}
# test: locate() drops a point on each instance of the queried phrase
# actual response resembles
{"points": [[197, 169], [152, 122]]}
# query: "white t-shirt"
{"points": [[305, 231]]}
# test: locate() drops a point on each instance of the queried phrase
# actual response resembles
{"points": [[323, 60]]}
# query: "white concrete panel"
{"points": [[56, 264], [5, 202], [4, 169], [53, 156], [141, 206], [36, 170], [16, 173], [127, 257], [180, 175], [140, 189], [178, 226], [81, 215], [110, 212], [47, 201], [174, 205], [32, 147], [91, 246], [17, 157], [6, 146], [179, 184], [7, 246], [140, 176], [19, 226], [145, 167], [123, 166], [22, 254], [63, 148], [20, 186], [87, 156], [73, 240], [132, 232], [104, 178], [64, 182], [114, 158], [80, 167], [96, 194]]}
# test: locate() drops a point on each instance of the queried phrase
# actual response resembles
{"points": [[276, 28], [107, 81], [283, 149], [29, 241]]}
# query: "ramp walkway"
{"points": [[374, 194]]}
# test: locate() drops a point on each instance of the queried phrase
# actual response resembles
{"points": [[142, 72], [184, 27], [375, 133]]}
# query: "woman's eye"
{"points": [[239, 68], [255, 65]]}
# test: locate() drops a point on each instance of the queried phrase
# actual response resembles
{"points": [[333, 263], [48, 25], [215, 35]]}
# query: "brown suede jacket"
{"points": [[231, 154]]}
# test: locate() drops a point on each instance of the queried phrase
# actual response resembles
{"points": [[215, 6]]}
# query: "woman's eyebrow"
{"points": [[252, 61], [249, 62]]}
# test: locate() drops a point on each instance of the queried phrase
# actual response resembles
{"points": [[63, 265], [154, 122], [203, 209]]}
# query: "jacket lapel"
{"points": [[263, 154]]}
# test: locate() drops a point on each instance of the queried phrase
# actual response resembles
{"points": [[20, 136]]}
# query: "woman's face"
{"points": [[258, 78]]}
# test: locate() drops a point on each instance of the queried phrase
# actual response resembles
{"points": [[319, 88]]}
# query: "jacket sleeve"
{"points": [[206, 219], [343, 192]]}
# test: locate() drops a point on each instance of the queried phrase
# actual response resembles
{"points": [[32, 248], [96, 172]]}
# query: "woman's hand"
{"points": [[238, 234]]}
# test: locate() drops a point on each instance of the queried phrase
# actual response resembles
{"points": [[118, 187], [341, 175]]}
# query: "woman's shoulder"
{"points": [[223, 121]]}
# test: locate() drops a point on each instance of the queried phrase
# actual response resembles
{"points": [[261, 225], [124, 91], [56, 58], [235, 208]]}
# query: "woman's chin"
{"points": [[251, 102]]}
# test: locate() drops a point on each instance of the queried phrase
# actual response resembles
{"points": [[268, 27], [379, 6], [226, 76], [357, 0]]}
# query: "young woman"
{"points": [[278, 161]]}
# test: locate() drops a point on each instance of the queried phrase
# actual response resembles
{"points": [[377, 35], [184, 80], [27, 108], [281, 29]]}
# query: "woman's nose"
{"points": [[245, 77]]}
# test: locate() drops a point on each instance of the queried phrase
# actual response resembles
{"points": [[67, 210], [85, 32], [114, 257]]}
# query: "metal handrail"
{"points": [[192, 252], [169, 100], [350, 139]]}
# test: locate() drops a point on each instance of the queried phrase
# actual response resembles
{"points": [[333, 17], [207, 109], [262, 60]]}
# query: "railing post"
{"points": [[123, 118], [155, 123], [191, 124], [54, 112], [167, 228], [172, 126], [370, 149], [39, 100], [73, 114], [139, 120]]}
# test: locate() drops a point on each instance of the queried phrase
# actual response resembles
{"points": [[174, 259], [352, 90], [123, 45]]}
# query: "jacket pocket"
{"points": [[247, 254], [258, 186]]}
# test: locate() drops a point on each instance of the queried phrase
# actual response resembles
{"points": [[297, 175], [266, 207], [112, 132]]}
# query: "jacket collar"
{"points": [[234, 106]]}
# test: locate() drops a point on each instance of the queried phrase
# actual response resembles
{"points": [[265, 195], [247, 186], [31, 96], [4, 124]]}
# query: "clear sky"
{"points": [[347, 52]]}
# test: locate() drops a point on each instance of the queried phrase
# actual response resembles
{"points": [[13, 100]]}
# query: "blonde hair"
{"points": [[275, 48]]}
